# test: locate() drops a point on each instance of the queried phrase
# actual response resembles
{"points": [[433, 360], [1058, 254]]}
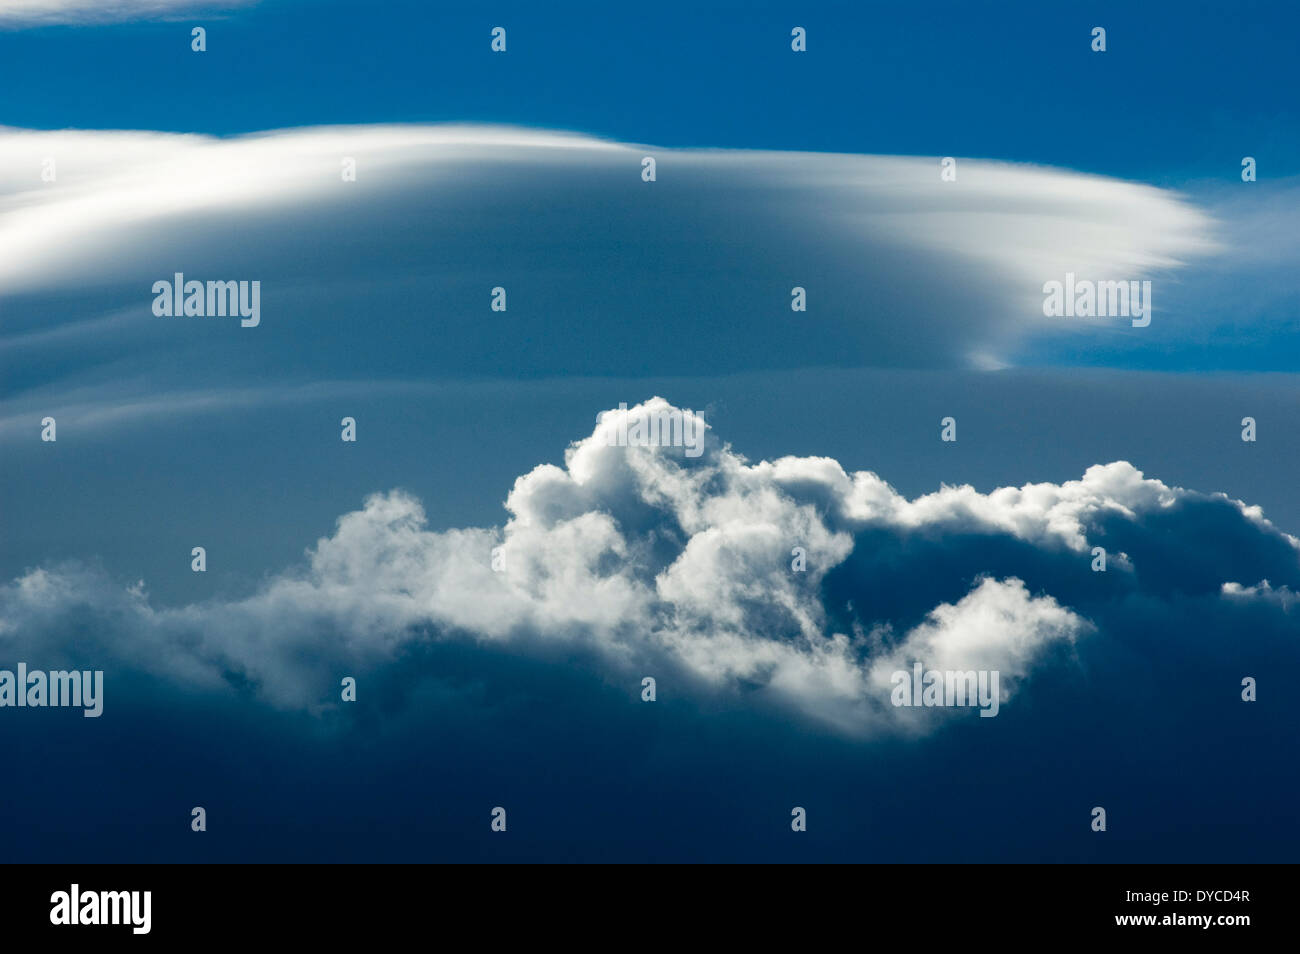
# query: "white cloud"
{"points": [[1265, 592], [867, 235], [997, 627], [47, 12], [658, 562]]}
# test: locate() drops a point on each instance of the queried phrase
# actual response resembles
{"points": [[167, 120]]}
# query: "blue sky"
{"points": [[1183, 91], [482, 687]]}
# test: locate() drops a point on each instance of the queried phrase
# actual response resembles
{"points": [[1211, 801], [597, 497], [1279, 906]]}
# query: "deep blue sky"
{"points": [[1183, 91]]}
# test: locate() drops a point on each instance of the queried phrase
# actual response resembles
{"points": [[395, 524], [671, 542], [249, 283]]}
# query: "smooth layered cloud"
{"points": [[21, 13], [789, 583], [390, 276], [1021, 221]]}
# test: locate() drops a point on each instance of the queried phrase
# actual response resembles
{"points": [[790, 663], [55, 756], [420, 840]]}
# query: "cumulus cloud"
{"points": [[1282, 596], [790, 582]]}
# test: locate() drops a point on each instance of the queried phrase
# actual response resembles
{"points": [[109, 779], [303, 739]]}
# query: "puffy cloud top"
{"points": [[790, 581]]}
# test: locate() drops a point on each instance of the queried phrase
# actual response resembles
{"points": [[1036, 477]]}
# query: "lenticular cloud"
{"points": [[21, 13], [437, 214], [790, 582]]}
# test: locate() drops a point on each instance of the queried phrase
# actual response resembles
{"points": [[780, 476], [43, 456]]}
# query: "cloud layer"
{"points": [[20, 13], [690, 274], [647, 561]]}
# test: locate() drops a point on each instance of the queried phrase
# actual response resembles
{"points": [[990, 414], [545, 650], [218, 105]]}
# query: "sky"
{"points": [[499, 580]]}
